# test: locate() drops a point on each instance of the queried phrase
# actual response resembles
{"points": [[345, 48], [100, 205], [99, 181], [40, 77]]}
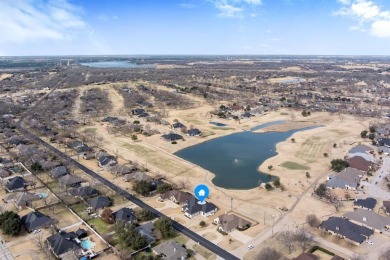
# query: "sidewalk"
{"points": [[4, 253]]}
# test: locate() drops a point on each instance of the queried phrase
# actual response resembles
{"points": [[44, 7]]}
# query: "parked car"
{"points": [[250, 247]]}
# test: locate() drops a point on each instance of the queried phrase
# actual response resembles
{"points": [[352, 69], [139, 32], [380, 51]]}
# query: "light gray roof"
{"points": [[368, 218], [171, 250], [348, 177], [69, 180], [365, 156], [230, 221], [361, 148]]}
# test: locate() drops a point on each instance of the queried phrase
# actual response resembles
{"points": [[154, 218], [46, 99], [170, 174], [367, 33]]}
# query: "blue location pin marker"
{"points": [[201, 193]]}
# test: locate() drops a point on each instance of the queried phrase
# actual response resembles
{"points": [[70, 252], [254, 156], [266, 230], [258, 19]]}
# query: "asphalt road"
{"points": [[197, 238]]}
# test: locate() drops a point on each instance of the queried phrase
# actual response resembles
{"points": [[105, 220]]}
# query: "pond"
{"points": [[217, 124], [116, 64], [235, 158]]}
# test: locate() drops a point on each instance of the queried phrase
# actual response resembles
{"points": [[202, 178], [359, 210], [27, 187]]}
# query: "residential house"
{"points": [[137, 111], [384, 142], [192, 208], [105, 160], [146, 230], [15, 184], [178, 125], [4, 173], [369, 219], [229, 222], [48, 165], [137, 176], [83, 192], [194, 132], [348, 178], [170, 250], [70, 181], [344, 228], [58, 172], [176, 196], [16, 140], [122, 169], [99, 203], [36, 220], [84, 149], [368, 203], [125, 215], [22, 200], [172, 137], [89, 156], [62, 243], [366, 156], [359, 163], [386, 207], [306, 256], [74, 144], [361, 148]]}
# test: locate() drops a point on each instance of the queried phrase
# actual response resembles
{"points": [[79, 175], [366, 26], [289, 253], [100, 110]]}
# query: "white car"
{"points": [[36, 231], [250, 247], [370, 242]]}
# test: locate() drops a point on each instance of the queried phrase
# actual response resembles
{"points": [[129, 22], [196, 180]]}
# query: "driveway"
{"points": [[240, 236], [372, 188]]}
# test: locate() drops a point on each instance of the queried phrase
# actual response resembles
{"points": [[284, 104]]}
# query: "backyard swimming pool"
{"points": [[87, 244]]}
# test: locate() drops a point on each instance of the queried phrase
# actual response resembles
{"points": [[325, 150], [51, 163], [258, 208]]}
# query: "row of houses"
{"points": [[360, 161], [191, 208]]}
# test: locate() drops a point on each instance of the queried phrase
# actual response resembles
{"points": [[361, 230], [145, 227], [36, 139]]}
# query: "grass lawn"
{"points": [[156, 158], [204, 252], [79, 208], [100, 226], [181, 239], [312, 149], [90, 130], [294, 166], [284, 113]]}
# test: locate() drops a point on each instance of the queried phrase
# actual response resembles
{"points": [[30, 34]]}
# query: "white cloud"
{"points": [[369, 16], [345, 2], [25, 21], [381, 29], [227, 10], [235, 8]]}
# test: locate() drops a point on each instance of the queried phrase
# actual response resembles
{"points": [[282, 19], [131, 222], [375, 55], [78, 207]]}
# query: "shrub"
{"points": [[321, 190], [268, 187], [338, 165], [202, 224], [276, 183]]}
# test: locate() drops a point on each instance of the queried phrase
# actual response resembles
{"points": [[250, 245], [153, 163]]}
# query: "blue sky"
{"points": [[97, 27]]}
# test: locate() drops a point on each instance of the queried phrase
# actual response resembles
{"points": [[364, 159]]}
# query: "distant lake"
{"points": [[235, 158], [116, 64]]}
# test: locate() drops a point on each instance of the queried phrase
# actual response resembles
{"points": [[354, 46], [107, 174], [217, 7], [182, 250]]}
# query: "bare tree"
{"points": [[288, 239], [40, 242], [268, 253], [182, 184], [312, 220], [303, 238]]}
